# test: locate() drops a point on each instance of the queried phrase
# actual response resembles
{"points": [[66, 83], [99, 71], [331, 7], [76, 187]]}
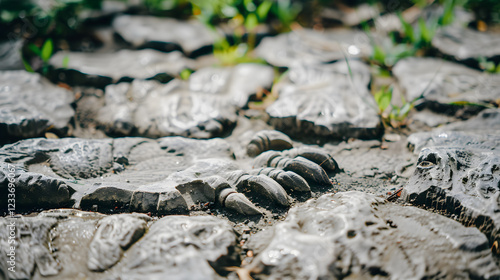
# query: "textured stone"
{"points": [[32, 190], [30, 237], [114, 234], [101, 69], [180, 247], [481, 131], [446, 86], [166, 176], [358, 235], [323, 101], [465, 44], [30, 105], [70, 244], [10, 55], [166, 34], [458, 173], [203, 107], [308, 46]]}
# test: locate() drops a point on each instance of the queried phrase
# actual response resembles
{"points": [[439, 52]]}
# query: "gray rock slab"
{"points": [[60, 244], [113, 236], [444, 84], [358, 235], [351, 16], [321, 101], [203, 107], [32, 190], [26, 240], [50, 173], [10, 55], [180, 247], [108, 174], [31, 105], [307, 46], [481, 131], [171, 175], [100, 69], [458, 173], [466, 44], [190, 35], [431, 13]]}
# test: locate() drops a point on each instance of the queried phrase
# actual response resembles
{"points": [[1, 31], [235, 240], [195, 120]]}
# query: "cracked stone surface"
{"points": [[465, 44], [191, 37], [321, 100], [180, 247], [203, 107], [30, 105], [31, 237], [165, 176], [308, 46], [458, 173], [446, 83], [360, 236], [68, 244], [101, 69], [113, 236]]}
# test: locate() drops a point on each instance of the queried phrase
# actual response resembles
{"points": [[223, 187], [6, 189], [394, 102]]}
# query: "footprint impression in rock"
{"points": [[164, 176]]}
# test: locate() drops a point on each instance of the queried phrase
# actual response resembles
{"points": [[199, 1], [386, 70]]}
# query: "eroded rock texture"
{"points": [[466, 44], [180, 247], [357, 235], [307, 46], [30, 105], [71, 244], [101, 69], [10, 55], [203, 107], [165, 176], [114, 234], [165, 34], [30, 237], [325, 101], [458, 172], [446, 86]]}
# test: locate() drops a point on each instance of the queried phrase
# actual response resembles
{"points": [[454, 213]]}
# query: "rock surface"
{"points": [[458, 173], [322, 100], [180, 247], [30, 237], [10, 55], [308, 46], [351, 16], [30, 105], [358, 235], [101, 69], [203, 107], [480, 131], [58, 244], [465, 44], [167, 176], [446, 86], [114, 234], [166, 34]]}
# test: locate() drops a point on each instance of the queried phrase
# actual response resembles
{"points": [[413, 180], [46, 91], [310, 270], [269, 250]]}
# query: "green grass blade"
{"points": [[47, 49]]}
